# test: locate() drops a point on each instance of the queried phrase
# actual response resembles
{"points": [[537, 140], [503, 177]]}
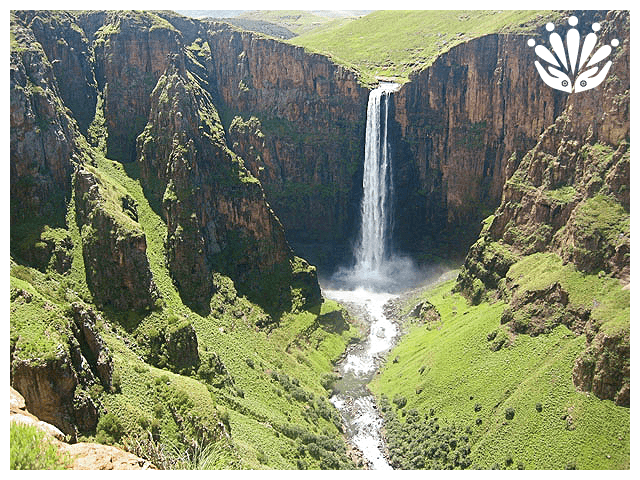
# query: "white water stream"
{"points": [[368, 286], [352, 398]]}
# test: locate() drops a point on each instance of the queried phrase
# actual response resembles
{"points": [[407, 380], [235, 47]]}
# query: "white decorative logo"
{"points": [[572, 77]]}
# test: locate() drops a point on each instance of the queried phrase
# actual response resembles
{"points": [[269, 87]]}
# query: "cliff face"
{"points": [[132, 52], [569, 195], [113, 245], [298, 121], [56, 384], [216, 212], [72, 64], [106, 67], [42, 134], [111, 77], [460, 121], [477, 129]]}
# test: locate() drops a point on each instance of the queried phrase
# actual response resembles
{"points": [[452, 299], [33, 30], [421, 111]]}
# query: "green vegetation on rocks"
{"points": [[31, 450], [163, 415]]}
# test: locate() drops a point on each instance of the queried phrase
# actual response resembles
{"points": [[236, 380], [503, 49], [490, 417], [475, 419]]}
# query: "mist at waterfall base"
{"points": [[396, 274]]}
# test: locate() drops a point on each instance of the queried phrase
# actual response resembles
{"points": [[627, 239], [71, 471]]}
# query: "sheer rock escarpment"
{"points": [[460, 121], [298, 121], [569, 195], [43, 135], [217, 216]]}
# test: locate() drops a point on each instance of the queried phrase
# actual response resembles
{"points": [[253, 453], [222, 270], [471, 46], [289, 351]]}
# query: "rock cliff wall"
{"points": [[569, 195], [42, 133], [460, 121], [114, 72], [298, 121], [132, 52], [216, 212], [114, 245]]}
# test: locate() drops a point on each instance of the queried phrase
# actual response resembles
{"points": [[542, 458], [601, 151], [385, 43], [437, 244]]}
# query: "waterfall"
{"points": [[372, 250], [377, 268], [378, 275]]}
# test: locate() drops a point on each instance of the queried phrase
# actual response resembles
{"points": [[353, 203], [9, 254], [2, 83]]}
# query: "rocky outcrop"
{"points": [[18, 413], [569, 195], [55, 373], [113, 245], [132, 51], [81, 456], [216, 212], [49, 389], [535, 312], [174, 347], [576, 175], [42, 135], [604, 367], [70, 53], [52, 249], [92, 346], [425, 313]]}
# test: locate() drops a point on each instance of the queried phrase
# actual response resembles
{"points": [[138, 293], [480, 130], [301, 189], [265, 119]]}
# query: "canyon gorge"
{"points": [[183, 193]]}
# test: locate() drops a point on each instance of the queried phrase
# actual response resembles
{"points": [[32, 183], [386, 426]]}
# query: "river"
{"points": [[352, 398]]}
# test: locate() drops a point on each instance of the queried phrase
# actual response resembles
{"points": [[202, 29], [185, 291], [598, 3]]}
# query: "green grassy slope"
{"points": [[298, 21], [276, 420], [395, 43], [453, 370]]}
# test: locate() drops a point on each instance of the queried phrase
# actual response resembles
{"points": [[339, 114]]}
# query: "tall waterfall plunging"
{"points": [[377, 185], [377, 276], [377, 268]]}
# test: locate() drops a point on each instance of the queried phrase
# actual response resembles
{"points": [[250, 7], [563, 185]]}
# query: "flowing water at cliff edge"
{"points": [[365, 288]]}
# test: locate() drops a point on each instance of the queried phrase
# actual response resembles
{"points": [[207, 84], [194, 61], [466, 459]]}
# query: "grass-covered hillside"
{"points": [[256, 394], [302, 21], [463, 390], [394, 43]]}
